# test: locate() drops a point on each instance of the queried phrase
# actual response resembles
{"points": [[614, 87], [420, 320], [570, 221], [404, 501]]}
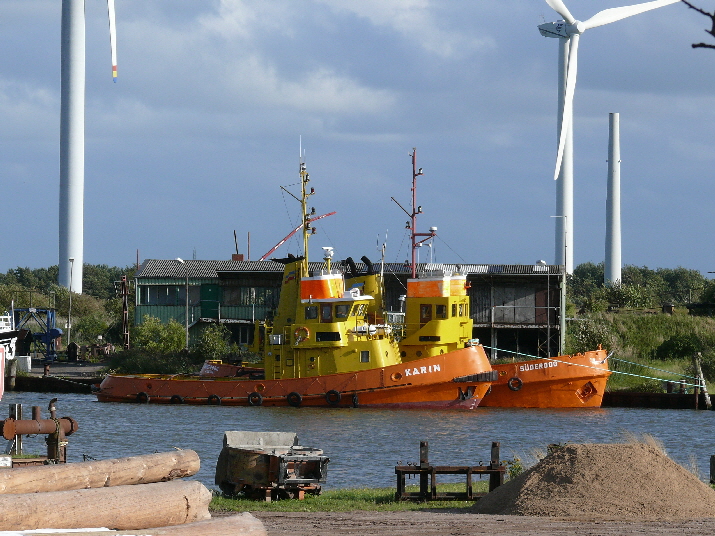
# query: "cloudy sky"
{"points": [[202, 128]]}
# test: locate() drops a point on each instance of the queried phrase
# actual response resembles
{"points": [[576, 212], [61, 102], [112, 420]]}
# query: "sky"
{"points": [[215, 98]]}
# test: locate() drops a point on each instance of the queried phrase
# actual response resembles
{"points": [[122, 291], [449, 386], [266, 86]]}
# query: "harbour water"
{"points": [[364, 445]]}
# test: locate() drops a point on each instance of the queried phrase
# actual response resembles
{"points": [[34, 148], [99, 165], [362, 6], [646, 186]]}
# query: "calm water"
{"points": [[363, 445]]}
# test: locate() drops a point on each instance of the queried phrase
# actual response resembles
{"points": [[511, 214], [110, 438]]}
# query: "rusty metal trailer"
{"points": [[269, 465]]}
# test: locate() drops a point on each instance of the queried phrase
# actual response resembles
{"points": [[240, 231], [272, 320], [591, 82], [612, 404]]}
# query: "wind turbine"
{"points": [[71, 226], [569, 31]]}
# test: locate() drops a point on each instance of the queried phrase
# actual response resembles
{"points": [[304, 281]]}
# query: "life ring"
{"points": [[255, 399], [213, 400], [294, 399], [142, 398], [301, 334], [176, 399], [515, 383], [333, 397]]}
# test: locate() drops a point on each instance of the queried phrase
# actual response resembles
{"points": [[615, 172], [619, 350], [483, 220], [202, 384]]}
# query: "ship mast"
{"points": [[308, 217], [412, 224], [304, 179], [413, 216]]}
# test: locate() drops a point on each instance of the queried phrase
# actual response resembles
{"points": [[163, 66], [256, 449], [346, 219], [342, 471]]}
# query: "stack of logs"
{"points": [[126, 494]]}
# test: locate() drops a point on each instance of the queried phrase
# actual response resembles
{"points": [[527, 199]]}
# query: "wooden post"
{"points": [[16, 413], [121, 507], [103, 473], [704, 387], [712, 469], [10, 374], [424, 465], [400, 485], [696, 392], [495, 479], [236, 525]]}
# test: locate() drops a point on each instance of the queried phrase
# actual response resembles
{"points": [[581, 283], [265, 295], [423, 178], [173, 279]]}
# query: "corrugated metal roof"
{"points": [[198, 269]]}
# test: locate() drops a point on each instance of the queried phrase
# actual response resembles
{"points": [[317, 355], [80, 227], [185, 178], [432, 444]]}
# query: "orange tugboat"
{"points": [[569, 381], [328, 346]]}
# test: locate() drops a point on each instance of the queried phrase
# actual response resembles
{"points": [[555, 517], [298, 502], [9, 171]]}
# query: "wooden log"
{"points": [[120, 508], [237, 525], [146, 469]]}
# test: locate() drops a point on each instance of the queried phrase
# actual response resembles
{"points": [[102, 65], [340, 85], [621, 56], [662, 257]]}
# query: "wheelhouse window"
{"points": [[441, 311], [425, 313], [326, 312], [327, 336], [342, 311], [311, 312]]}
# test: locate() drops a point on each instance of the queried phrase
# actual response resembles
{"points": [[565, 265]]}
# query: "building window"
{"points": [[260, 296]]}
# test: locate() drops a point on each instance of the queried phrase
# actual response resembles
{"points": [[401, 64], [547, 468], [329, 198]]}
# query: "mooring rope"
{"points": [[597, 368], [654, 368]]}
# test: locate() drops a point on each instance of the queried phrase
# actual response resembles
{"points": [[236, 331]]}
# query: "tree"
{"points": [[711, 31], [214, 342], [154, 337]]}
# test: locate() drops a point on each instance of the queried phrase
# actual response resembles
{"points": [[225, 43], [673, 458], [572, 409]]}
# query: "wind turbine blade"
{"points": [[567, 115], [561, 9], [112, 37], [617, 13]]}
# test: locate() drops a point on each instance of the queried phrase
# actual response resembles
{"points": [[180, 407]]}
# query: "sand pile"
{"points": [[603, 481]]}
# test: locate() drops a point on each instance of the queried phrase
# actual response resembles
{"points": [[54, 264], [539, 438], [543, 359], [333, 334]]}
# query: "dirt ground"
{"points": [[459, 523]]}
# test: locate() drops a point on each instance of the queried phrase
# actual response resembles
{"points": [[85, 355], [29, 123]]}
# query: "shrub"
{"points": [[213, 343], [137, 361], [586, 335], [156, 338]]}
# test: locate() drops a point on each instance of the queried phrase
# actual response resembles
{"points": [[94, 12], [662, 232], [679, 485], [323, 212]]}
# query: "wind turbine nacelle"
{"points": [[554, 29]]}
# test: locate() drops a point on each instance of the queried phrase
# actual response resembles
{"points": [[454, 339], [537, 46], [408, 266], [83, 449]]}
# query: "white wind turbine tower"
{"points": [[612, 266], [568, 31], [72, 138]]}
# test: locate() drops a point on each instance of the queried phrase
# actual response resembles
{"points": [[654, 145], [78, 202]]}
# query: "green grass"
{"points": [[347, 500]]}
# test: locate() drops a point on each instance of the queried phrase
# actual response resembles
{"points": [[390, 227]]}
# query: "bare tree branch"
{"points": [[711, 31]]}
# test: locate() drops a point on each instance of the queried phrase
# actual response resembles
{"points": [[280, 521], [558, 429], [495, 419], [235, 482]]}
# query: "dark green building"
{"points": [[515, 308]]}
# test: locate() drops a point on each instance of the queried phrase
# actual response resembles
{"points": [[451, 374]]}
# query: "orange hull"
{"points": [[434, 382], [576, 381]]}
